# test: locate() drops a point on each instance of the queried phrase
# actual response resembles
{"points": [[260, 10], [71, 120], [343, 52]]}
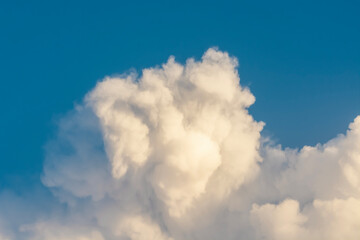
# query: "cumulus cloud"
{"points": [[332, 219], [175, 155]]}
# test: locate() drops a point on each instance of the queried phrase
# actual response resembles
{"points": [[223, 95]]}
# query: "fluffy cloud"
{"points": [[280, 222], [175, 155], [333, 219]]}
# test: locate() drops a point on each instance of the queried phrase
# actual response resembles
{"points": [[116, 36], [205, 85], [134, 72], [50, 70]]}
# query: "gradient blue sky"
{"points": [[301, 60]]}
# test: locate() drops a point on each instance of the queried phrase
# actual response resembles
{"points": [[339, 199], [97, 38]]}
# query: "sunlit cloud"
{"points": [[175, 154]]}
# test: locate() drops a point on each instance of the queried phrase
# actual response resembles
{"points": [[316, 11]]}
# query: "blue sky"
{"points": [[300, 59]]}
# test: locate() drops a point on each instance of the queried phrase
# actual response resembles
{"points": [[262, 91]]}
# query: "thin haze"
{"points": [[173, 153]]}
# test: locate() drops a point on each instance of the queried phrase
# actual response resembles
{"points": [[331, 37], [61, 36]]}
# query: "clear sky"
{"points": [[300, 59]]}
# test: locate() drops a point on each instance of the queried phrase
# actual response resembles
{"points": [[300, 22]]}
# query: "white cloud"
{"points": [[332, 219], [174, 154], [281, 222]]}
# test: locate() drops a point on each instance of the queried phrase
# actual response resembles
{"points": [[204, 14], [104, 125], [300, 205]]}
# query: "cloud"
{"points": [[282, 221], [174, 154], [332, 219]]}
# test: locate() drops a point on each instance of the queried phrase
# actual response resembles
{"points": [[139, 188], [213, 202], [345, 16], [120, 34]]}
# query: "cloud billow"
{"points": [[174, 154]]}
